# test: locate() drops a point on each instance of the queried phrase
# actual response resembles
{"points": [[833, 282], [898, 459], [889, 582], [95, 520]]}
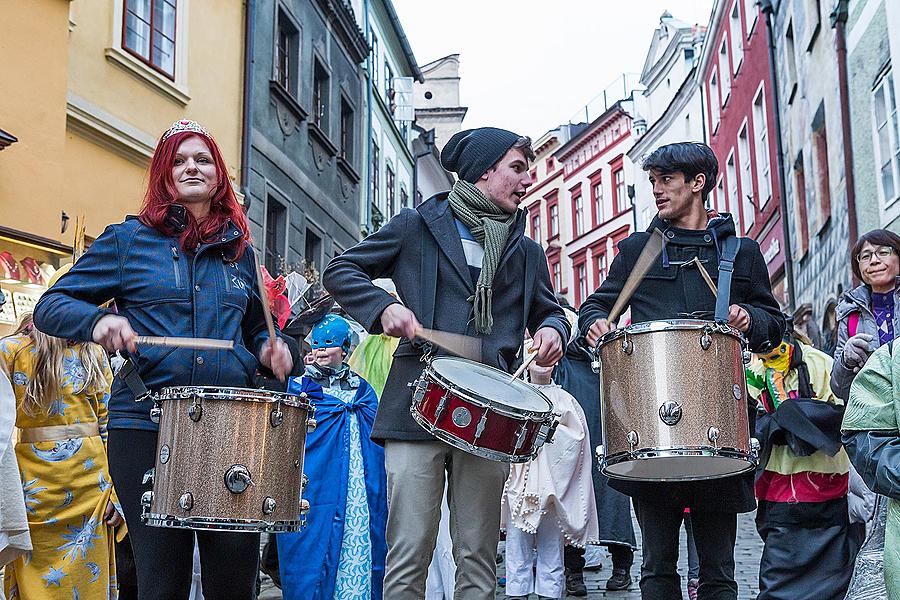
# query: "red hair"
{"points": [[161, 194]]}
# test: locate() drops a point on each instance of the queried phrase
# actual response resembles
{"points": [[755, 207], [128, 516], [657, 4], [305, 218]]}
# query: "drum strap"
{"points": [[129, 374], [730, 248]]}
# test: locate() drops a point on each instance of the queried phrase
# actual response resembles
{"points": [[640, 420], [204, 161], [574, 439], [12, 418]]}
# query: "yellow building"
{"points": [[96, 83]]}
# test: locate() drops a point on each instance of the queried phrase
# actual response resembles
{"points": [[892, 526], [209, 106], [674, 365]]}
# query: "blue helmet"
{"points": [[333, 331]]}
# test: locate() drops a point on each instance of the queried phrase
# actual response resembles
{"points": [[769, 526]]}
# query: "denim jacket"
{"points": [[163, 291]]}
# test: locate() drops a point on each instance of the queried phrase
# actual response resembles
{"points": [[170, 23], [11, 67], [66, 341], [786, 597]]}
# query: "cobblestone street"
{"points": [[746, 555]]}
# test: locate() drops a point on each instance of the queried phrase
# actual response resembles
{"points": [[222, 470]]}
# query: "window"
{"points": [[763, 158], [533, 174], [550, 164], [149, 33], [725, 71], [597, 200], [404, 197], [823, 182], [581, 284], [556, 273], [790, 61], [373, 69], [737, 38], [733, 203], [714, 100], [577, 212], [287, 53], [536, 225], [751, 12], [887, 140], [389, 86], [619, 196], [376, 165], [599, 268], [312, 249], [800, 206], [746, 178], [347, 127], [720, 196], [276, 214], [389, 192], [320, 96], [553, 220]]}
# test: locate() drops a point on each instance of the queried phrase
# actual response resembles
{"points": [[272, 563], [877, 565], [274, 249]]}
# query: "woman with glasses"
{"points": [[867, 314]]}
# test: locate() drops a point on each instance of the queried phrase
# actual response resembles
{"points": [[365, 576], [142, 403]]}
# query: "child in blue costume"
{"points": [[340, 554]]}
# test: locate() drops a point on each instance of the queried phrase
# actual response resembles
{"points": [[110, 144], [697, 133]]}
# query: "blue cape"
{"points": [[309, 559]]}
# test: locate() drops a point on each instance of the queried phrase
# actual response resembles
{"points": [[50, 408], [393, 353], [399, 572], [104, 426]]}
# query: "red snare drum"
{"points": [[475, 408]]}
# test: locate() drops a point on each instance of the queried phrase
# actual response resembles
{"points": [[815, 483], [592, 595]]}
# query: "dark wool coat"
{"points": [[400, 251], [672, 291]]}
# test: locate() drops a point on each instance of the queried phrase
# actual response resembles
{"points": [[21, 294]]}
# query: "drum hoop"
{"points": [[675, 451], [208, 392], [479, 400], [671, 325], [465, 446], [219, 524]]}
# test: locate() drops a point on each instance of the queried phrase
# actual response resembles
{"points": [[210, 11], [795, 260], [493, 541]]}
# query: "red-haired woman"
{"points": [[183, 267]]}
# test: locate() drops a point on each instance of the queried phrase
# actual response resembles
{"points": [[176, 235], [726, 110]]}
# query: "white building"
{"points": [[436, 99]]}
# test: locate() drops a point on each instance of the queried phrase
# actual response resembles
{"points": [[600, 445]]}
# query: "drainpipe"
{"points": [[769, 12], [839, 22], [371, 66], [246, 114]]}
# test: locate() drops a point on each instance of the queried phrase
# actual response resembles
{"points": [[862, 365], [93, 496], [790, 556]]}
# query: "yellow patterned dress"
{"points": [[67, 485]]}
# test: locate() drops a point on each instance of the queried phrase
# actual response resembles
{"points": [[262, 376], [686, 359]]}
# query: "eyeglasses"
{"points": [[866, 256]]}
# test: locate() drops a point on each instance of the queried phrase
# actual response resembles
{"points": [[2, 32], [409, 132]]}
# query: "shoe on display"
{"points": [[575, 583], [619, 580]]}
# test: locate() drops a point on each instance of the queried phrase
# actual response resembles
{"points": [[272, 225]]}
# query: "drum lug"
{"points": [[146, 499], [754, 449], [627, 344], [419, 386], [186, 501], [633, 439], [670, 412], [520, 436], [311, 425], [156, 412], [148, 476], [482, 423], [441, 406], [269, 505], [746, 357], [304, 481], [713, 434], [237, 479], [705, 340], [600, 452], [304, 507], [545, 433], [195, 411], [276, 417]]}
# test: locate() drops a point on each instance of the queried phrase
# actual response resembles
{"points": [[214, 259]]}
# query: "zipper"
{"points": [[176, 267], [225, 274]]}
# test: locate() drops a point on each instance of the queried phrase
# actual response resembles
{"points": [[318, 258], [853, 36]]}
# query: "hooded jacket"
{"points": [[672, 289]]}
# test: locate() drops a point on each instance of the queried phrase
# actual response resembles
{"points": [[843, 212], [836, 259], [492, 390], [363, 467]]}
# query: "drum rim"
{"points": [[658, 325], [214, 392], [465, 446], [679, 451], [476, 398], [220, 524]]}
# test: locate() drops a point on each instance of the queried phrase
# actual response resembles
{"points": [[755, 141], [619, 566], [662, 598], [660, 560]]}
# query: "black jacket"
{"points": [[672, 291], [400, 251]]}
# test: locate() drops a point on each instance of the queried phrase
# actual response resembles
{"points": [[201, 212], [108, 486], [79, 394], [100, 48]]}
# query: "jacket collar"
{"points": [[860, 298], [440, 222]]}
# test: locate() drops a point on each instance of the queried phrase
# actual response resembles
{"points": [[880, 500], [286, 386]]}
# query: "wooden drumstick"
{"points": [[532, 355], [463, 346], [264, 298], [651, 250], [180, 342], [705, 274]]}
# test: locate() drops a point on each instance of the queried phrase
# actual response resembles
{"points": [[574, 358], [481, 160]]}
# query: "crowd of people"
{"points": [[389, 501]]}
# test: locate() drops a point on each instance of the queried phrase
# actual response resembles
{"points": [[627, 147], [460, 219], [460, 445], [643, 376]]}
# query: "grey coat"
{"points": [[859, 300], [401, 250]]}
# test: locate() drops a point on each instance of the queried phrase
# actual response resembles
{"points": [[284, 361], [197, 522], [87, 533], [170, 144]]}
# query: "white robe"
{"points": [[558, 482], [14, 537]]}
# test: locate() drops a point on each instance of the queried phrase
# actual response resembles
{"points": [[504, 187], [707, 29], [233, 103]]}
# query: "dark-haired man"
{"points": [[460, 263], [682, 175]]}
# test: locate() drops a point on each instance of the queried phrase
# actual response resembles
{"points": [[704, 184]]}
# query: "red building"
{"points": [[739, 112]]}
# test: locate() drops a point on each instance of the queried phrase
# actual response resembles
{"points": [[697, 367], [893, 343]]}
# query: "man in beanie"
{"points": [[461, 263]]}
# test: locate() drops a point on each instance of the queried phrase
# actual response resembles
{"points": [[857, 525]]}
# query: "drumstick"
{"points": [[264, 297], [651, 250], [182, 342], [532, 354], [705, 274], [463, 346]]}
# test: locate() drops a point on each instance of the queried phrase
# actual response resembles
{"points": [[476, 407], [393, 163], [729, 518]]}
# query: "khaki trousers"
{"points": [[415, 488]]}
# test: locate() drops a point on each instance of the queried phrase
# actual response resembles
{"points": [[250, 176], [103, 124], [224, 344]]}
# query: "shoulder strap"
{"points": [[852, 323], [730, 248]]}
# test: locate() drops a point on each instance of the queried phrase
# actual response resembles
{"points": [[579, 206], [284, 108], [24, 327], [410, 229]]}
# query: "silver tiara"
{"points": [[185, 125]]}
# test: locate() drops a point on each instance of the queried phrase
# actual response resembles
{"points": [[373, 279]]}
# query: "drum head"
{"points": [[677, 467], [491, 384]]}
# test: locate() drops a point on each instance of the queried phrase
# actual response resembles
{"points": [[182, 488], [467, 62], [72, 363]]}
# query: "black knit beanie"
{"points": [[472, 152]]}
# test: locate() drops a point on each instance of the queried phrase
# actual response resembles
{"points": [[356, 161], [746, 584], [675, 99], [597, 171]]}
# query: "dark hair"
{"points": [[524, 144], [876, 237], [688, 158]]}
